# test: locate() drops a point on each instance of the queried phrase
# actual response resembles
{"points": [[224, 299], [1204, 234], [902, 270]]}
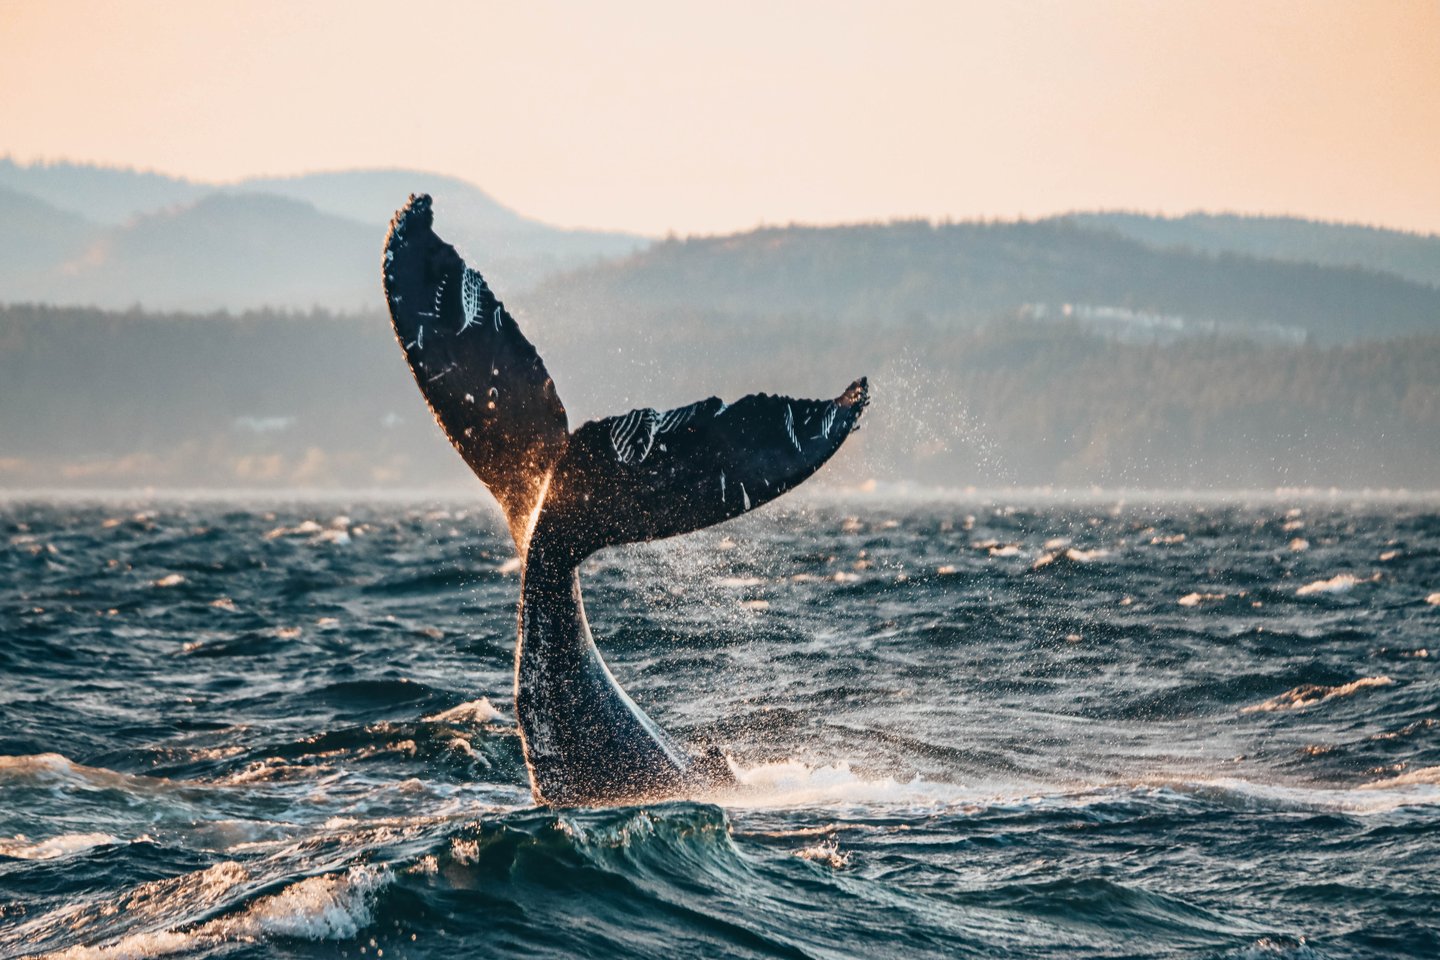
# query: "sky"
{"points": [[702, 118]]}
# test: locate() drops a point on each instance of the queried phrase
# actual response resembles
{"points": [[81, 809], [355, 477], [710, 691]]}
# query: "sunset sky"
{"points": [[656, 116]]}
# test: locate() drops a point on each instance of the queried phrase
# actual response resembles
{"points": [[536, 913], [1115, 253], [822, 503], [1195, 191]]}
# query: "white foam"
{"points": [[475, 711], [21, 848], [827, 852], [337, 533], [736, 582], [53, 766], [1429, 776], [1340, 583], [791, 783], [1268, 949], [1375, 798], [1069, 553], [332, 906], [1311, 694]]}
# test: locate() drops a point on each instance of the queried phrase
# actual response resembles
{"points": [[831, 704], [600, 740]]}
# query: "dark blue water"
{"points": [[963, 729]]}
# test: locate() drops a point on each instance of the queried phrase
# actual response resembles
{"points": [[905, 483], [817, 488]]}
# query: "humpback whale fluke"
{"points": [[643, 475]]}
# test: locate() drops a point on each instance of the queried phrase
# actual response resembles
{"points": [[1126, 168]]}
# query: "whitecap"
{"points": [[1311, 694], [1429, 776], [735, 582], [826, 852], [792, 783], [1340, 583], [332, 906], [22, 848], [474, 711]]}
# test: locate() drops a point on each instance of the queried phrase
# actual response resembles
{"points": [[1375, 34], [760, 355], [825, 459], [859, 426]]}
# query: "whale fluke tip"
{"points": [[857, 394], [419, 209]]}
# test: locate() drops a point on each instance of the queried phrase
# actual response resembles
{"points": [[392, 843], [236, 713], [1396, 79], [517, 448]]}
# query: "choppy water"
{"points": [[1203, 731]]}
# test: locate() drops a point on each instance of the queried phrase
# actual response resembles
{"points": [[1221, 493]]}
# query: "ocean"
{"points": [[990, 726]]}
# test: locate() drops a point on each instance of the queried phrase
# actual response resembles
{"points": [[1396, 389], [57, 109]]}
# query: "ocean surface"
{"points": [[983, 728]]}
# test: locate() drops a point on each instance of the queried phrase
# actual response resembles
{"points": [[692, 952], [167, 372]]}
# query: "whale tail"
{"points": [[643, 475], [483, 381]]}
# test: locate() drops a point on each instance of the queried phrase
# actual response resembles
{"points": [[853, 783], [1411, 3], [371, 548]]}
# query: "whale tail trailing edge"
{"points": [[643, 475]]}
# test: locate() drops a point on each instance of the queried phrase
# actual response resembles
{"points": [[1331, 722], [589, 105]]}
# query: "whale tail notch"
{"points": [[643, 475]]}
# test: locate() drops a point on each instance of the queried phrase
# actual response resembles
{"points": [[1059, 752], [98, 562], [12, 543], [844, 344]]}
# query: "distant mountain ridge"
{"points": [[79, 234], [1413, 256], [884, 276], [107, 237]]}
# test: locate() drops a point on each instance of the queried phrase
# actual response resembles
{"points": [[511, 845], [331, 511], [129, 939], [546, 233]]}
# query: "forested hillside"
{"points": [[317, 400], [882, 276]]}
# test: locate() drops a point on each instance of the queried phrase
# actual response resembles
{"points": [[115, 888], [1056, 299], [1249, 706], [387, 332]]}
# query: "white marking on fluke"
{"points": [[633, 434], [470, 285], [790, 428], [674, 419], [827, 423]]}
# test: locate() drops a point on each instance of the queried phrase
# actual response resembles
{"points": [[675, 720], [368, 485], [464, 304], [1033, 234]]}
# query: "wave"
{"points": [[50, 768], [334, 906], [1383, 797], [1311, 694], [1340, 583], [1426, 776], [21, 848], [793, 784], [475, 711]]}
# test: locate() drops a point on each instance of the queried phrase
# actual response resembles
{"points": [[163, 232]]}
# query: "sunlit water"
{"points": [[961, 729]]}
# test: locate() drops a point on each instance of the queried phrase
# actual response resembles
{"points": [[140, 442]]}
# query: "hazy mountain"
{"points": [[102, 194], [110, 237], [1410, 255], [476, 221], [37, 236], [295, 242], [234, 251], [883, 276]]}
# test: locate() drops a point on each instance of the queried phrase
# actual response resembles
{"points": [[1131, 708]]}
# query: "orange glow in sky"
{"points": [[653, 116]]}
